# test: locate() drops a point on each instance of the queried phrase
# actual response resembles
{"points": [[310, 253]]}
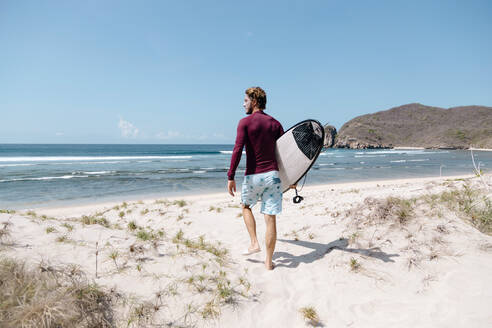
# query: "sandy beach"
{"points": [[397, 253]]}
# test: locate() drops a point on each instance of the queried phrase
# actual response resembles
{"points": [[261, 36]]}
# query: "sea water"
{"points": [[50, 175]]}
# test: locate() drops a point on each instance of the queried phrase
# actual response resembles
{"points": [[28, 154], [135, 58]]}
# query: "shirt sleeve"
{"points": [[238, 150], [281, 131]]}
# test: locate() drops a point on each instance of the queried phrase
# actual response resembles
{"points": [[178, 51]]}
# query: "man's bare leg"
{"points": [[250, 222], [270, 239]]}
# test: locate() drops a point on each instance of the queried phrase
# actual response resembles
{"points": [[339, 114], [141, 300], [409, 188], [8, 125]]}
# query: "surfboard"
{"points": [[297, 150]]}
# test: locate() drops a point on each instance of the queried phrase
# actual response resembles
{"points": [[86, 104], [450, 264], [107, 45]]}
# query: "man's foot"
{"points": [[252, 251], [269, 266]]}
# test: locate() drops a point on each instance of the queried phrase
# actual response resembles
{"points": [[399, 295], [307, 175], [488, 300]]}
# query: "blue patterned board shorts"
{"points": [[265, 186]]}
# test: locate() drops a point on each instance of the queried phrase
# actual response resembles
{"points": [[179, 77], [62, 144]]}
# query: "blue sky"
{"points": [[176, 71]]}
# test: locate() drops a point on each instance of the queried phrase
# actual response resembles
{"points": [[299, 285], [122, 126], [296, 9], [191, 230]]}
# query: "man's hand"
{"points": [[293, 186], [231, 186]]}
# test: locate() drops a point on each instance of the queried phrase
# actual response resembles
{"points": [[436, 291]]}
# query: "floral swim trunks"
{"points": [[265, 186]]}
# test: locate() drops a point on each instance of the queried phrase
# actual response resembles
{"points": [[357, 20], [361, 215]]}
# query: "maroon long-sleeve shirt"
{"points": [[259, 133]]}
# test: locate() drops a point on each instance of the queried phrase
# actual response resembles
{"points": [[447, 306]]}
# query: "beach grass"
{"points": [[180, 202], [354, 264], [132, 225], [68, 226], [5, 232], [91, 219], [471, 204], [310, 315], [64, 239], [48, 297]]}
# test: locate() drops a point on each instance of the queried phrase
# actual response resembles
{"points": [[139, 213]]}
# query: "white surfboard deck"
{"points": [[297, 150]]}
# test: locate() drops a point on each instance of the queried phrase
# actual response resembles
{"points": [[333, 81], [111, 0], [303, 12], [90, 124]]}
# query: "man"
{"points": [[259, 133]]}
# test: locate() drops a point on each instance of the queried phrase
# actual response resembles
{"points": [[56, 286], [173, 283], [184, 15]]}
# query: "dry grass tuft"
{"points": [[64, 239], [413, 261], [354, 264], [5, 232], [310, 315], [88, 220], [353, 238], [398, 208], [216, 209], [211, 310], [442, 229], [472, 205], [31, 214], [180, 203], [68, 226], [51, 298], [141, 315], [152, 235], [132, 225], [162, 201]]}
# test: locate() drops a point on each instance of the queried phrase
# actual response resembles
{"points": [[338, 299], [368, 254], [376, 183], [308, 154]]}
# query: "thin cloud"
{"points": [[168, 135], [218, 135], [128, 130]]}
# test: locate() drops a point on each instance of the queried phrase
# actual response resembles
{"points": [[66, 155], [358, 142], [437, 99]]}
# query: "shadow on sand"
{"points": [[284, 259]]}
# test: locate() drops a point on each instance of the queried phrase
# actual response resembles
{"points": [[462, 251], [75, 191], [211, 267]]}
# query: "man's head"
{"points": [[255, 98]]}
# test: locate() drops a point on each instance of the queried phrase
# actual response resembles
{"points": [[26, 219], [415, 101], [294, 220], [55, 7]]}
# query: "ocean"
{"points": [[39, 175]]}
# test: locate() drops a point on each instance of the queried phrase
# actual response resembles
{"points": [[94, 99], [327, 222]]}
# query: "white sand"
{"points": [[411, 275]]}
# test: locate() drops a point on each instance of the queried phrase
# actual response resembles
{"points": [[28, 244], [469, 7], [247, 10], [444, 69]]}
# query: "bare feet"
{"points": [[269, 266], [252, 251]]}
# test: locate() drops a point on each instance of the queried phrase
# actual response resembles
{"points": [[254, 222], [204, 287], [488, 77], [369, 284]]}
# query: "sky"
{"points": [[175, 72]]}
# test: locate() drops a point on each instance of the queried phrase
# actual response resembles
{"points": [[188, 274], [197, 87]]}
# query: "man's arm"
{"points": [[281, 131], [236, 157]]}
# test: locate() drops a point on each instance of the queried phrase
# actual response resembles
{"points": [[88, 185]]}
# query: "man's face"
{"points": [[248, 105]]}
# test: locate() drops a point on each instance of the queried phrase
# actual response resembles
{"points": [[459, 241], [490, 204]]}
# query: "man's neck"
{"points": [[256, 109]]}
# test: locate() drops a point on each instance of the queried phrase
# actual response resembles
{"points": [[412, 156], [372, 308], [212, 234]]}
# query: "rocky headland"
{"points": [[416, 125]]}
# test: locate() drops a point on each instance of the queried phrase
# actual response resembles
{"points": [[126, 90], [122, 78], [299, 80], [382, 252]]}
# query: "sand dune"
{"points": [[371, 254]]}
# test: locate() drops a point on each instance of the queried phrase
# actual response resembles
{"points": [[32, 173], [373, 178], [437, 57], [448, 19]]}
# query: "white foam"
{"points": [[409, 152], [93, 172], [12, 165], [365, 156], [399, 161], [46, 178], [70, 163], [82, 158], [229, 152], [200, 171]]}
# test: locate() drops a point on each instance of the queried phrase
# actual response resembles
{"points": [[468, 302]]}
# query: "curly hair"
{"points": [[257, 94]]}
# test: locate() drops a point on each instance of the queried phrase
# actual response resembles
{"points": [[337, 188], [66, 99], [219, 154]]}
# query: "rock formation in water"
{"points": [[330, 134]]}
